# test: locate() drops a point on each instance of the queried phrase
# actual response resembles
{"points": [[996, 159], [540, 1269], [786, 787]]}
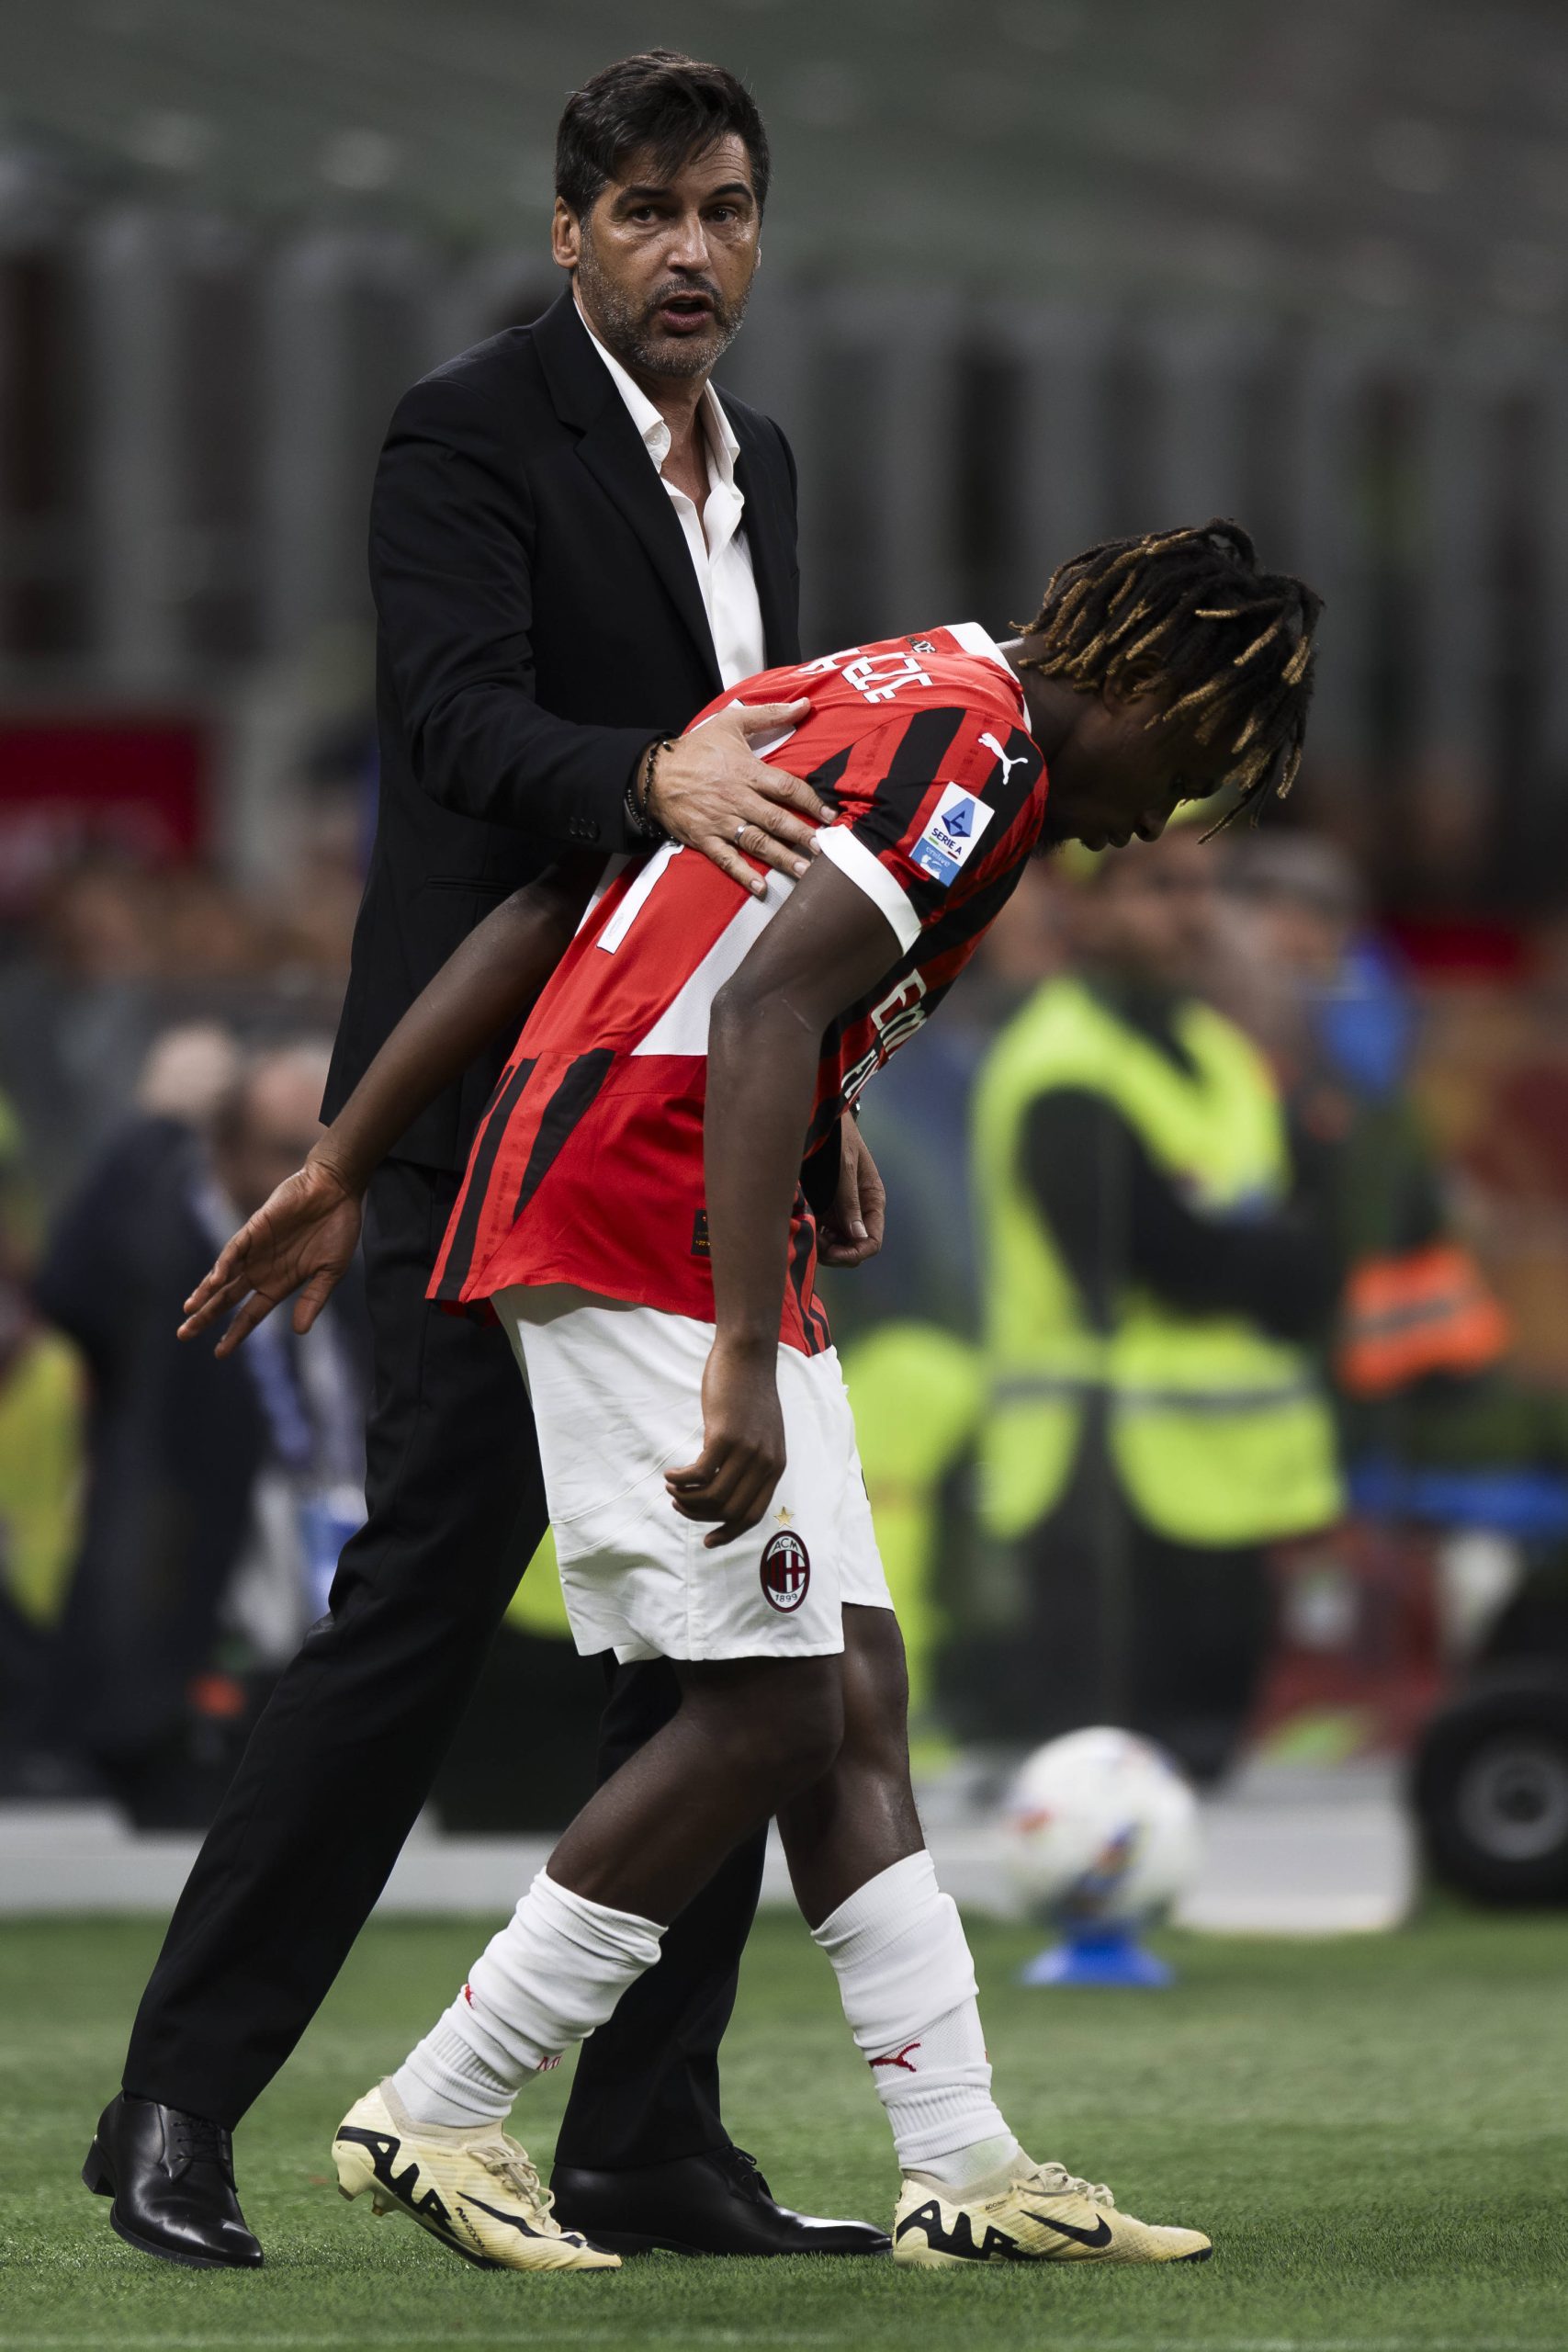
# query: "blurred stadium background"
{"points": [[1036, 272]]}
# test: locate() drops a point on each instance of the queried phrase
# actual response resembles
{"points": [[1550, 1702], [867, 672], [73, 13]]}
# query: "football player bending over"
{"points": [[639, 1212]]}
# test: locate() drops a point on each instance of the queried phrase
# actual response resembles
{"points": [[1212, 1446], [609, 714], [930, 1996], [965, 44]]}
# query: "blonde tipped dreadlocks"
{"points": [[1187, 615]]}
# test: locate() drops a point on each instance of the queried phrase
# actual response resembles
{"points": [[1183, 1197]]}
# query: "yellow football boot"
{"points": [[1032, 2213], [474, 2190]]}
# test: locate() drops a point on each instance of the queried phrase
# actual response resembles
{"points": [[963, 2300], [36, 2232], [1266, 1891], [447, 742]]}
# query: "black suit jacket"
{"points": [[539, 622]]}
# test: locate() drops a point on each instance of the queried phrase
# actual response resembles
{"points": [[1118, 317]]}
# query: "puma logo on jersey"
{"points": [[1007, 765]]}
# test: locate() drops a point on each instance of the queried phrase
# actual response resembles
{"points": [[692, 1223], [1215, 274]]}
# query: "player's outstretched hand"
{"points": [[713, 793], [742, 1459], [300, 1239], [852, 1230]]}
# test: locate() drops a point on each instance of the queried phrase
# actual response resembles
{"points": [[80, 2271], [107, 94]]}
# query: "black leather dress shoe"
{"points": [[711, 2204], [172, 2179]]}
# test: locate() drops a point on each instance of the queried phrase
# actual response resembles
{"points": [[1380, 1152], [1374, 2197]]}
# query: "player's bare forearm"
{"points": [[763, 1064], [822, 952], [761, 1075], [486, 986], [300, 1241]]}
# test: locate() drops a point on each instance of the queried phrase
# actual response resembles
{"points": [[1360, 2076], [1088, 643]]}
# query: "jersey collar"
{"points": [[974, 639]]}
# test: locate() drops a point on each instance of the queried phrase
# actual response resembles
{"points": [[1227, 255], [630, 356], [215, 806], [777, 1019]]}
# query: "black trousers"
{"points": [[344, 1756]]}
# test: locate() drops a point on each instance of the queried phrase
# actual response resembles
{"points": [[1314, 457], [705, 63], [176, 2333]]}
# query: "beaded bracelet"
{"points": [[646, 827]]}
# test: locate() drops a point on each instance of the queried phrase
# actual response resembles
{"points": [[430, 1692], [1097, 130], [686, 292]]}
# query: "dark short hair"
{"points": [[661, 100]]}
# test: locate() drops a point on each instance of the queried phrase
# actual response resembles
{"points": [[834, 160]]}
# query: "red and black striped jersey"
{"points": [[587, 1166]]}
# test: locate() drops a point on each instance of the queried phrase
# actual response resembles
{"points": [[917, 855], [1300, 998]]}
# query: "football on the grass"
{"points": [[1101, 1830]]}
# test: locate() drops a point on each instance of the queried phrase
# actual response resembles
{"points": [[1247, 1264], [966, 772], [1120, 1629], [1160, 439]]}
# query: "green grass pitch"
{"points": [[1374, 2131]]}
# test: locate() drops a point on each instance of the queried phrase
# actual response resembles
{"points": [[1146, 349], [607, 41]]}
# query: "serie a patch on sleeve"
{"points": [[955, 826]]}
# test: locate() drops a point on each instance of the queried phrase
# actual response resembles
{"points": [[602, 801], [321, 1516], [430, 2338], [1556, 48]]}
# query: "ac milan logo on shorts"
{"points": [[786, 1571]]}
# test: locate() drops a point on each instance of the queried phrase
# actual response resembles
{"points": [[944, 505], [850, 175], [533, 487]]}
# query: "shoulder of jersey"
{"points": [[980, 675], [959, 673], [929, 668]]}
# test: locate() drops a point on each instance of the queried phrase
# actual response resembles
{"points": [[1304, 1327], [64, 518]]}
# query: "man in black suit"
{"points": [[573, 546]]}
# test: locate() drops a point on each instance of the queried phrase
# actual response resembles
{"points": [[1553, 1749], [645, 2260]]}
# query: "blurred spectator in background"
{"points": [[77, 1016], [218, 1493], [1437, 1427], [117, 953], [41, 1428], [1156, 1270], [1328, 1002]]}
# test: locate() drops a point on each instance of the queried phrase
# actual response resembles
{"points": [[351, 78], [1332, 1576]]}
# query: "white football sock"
{"points": [[908, 1986], [554, 1973]]}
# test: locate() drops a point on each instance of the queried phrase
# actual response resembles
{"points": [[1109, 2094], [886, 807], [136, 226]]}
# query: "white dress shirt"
{"points": [[720, 557]]}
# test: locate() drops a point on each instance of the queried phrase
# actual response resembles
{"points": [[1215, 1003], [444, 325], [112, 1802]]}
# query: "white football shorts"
{"points": [[617, 1400]]}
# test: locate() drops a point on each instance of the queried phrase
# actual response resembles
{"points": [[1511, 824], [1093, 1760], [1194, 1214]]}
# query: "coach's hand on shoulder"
{"points": [[300, 1239], [742, 1459], [851, 1232], [710, 791]]}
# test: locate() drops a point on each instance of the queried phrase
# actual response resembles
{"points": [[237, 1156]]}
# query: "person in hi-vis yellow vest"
{"points": [[1155, 1272]]}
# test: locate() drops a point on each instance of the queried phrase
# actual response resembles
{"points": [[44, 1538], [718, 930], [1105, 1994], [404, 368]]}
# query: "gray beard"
{"points": [[623, 330]]}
